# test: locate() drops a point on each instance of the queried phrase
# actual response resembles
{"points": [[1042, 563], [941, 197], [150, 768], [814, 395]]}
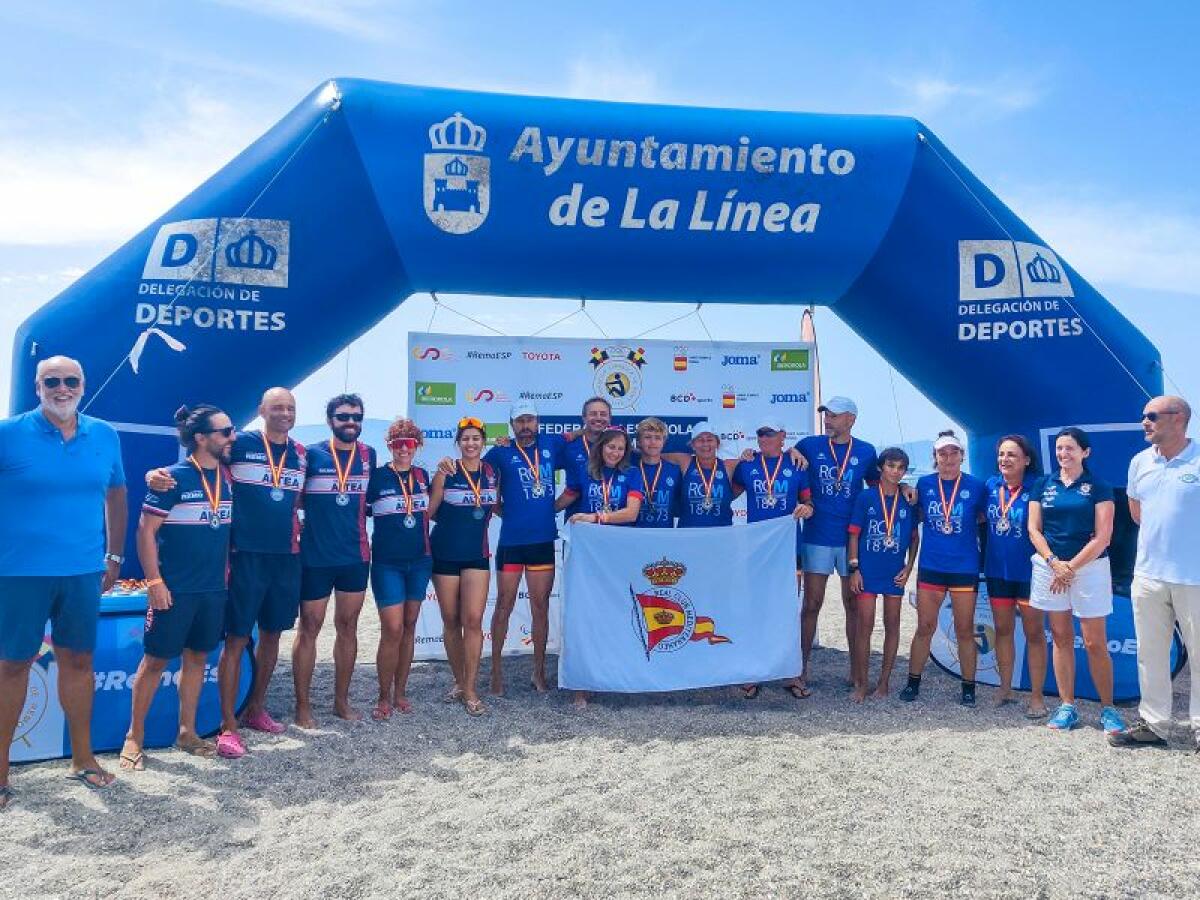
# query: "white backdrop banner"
{"points": [[736, 386]]}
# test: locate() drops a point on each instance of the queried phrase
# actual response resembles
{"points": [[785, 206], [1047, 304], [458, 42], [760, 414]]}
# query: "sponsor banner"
{"points": [[732, 385], [679, 609], [41, 727]]}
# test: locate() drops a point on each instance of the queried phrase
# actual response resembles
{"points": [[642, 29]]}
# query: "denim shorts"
{"points": [[398, 582], [70, 603], [820, 560]]}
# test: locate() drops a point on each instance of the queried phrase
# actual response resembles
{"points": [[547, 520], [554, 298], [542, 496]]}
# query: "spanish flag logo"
{"points": [[681, 364], [728, 400], [664, 616]]}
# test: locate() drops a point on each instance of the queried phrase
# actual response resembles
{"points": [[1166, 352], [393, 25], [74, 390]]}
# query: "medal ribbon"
{"points": [[276, 470], [650, 488], [841, 473], [343, 475], [212, 496], [772, 475], [535, 467], [406, 491], [473, 485], [1012, 498], [707, 482], [606, 488], [948, 508], [889, 519]]}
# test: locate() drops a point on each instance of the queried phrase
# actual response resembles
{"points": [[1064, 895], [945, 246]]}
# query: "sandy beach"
{"points": [[700, 794]]}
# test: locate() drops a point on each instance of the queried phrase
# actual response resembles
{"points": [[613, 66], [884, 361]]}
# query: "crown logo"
{"points": [[1042, 272], [251, 252], [457, 133], [665, 572], [456, 168], [663, 617]]}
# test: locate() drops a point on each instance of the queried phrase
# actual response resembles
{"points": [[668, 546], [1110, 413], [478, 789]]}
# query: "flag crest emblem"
{"points": [[664, 617]]}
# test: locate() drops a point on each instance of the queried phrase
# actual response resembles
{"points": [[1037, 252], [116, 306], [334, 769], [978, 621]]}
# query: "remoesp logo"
{"points": [[789, 398], [485, 395], [729, 359], [489, 354], [222, 251], [541, 356], [541, 395], [432, 354]]}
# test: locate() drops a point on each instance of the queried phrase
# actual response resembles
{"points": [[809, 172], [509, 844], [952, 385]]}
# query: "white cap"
{"points": [[947, 440], [522, 408], [704, 426], [773, 423], [839, 405]]}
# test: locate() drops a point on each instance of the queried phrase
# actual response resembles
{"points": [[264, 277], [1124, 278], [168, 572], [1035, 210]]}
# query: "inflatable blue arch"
{"points": [[369, 192]]}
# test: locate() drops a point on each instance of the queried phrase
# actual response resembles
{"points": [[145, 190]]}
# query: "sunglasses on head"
{"points": [[470, 422], [401, 442], [1153, 416], [53, 381], [347, 417], [227, 431]]}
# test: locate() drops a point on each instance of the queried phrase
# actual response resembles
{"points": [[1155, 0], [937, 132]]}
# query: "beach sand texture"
{"points": [[694, 795]]}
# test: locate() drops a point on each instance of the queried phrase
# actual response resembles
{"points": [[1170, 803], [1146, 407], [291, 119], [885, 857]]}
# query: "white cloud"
{"points": [[924, 95], [364, 19], [71, 189], [611, 75], [1118, 243]]}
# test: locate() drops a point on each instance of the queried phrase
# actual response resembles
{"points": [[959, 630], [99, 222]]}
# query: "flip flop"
{"points": [[454, 695], [475, 707], [799, 691], [132, 762], [7, 797], [202, 749], [85, 776]]}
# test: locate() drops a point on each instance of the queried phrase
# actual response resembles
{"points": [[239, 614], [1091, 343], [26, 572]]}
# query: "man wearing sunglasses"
{"points": [[1164, 499], [62, 530], [267, 468], [335, 553]]}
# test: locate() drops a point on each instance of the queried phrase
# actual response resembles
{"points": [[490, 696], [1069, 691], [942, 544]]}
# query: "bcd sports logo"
{"points": [[457, 185], [664, 617], [224, 251]]}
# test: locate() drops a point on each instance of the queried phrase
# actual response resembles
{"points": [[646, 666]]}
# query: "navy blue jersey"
{"points": [[335, 513], [573, 460], [1069, 513], [879, 559], [661, 485], [527, 490], [1009, 552], [616, 485], [398, 503], [267, 521], [956, 552], [461, 530], [705, 485], [193, 554], [837, 474]]}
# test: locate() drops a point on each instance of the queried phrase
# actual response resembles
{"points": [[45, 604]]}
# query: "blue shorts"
{"points": [[264, 589], [399, 582], [318, 582], [820, 560], [886, 586], [195, 621], [70, 603]]}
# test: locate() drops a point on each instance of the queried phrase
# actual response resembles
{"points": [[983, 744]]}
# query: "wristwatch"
{"points": [[113, 558], [852, 565]]}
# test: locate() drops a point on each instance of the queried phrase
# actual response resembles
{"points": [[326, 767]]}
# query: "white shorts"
{"points": [[1089, 596]]}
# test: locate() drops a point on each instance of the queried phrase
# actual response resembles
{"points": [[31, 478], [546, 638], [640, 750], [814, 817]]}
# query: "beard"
{"points": [[61, 409], [347, 433]]}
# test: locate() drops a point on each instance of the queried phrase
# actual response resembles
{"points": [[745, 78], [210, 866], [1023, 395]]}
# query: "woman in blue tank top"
{"points": [[461, 505]]}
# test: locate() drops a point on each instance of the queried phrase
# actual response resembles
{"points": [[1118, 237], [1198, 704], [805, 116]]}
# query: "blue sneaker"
{"points": [[1111, 721], [1065, 718]]}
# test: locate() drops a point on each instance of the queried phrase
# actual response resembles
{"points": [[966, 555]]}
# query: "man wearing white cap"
{"points": [[527, 533], [839, 465]]}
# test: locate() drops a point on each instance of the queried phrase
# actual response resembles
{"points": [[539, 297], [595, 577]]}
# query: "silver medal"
{"points": [[769, 501], [343, 499], [214, 523], [947, 527], [1002, 526], [477, 512], [707, 505], [889, 542], [410, 521], [538, 491], [276, 494]]}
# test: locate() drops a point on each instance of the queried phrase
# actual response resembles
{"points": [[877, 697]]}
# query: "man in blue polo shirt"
{"points": [[573, 456], [62, 504]]}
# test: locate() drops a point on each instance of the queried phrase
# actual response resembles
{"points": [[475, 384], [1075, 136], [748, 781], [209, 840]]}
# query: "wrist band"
{"points": [[153, 581]]}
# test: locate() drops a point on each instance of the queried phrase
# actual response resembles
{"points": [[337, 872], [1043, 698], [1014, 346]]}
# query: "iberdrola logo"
{"points": [[664, 617]]}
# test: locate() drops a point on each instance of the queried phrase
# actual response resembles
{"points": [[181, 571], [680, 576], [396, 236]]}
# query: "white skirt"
{"points": [[1089, 596]]}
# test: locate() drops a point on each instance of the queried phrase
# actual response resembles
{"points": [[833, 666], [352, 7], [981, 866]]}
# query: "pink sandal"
{"points": [[230, 746], [262, 721]]}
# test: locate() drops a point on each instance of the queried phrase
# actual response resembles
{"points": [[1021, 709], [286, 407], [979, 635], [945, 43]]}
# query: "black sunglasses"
{"points": [[1153, 416], [53, 381], [227, 431], [767, 432], [348, 417]]}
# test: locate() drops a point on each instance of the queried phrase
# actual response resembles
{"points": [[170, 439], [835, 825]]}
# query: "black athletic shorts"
{"points": [[264, 589], [525, 556], [195, 621], [456, 566], [318, 582]]}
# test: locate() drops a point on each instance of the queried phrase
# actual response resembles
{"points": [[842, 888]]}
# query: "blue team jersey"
{"points": [[956, 553], [661, 485], [1008, 553], [620, 486], [789, 487], [1069, 513], [527, 490], [699, 485], [573, 460], [267, 519], [833, 501], [399, 510], [193, 555], [879, 562], [335, 515], [459, 535]]}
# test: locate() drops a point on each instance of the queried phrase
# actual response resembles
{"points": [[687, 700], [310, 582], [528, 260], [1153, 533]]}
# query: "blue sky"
{"points": [[1082, 117]]}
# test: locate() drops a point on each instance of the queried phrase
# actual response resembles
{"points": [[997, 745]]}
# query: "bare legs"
{"points": [[860, 660], [347, 607], [814, 598], [462, 599], [1095, 642], [540, 582], [393, 660]]}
